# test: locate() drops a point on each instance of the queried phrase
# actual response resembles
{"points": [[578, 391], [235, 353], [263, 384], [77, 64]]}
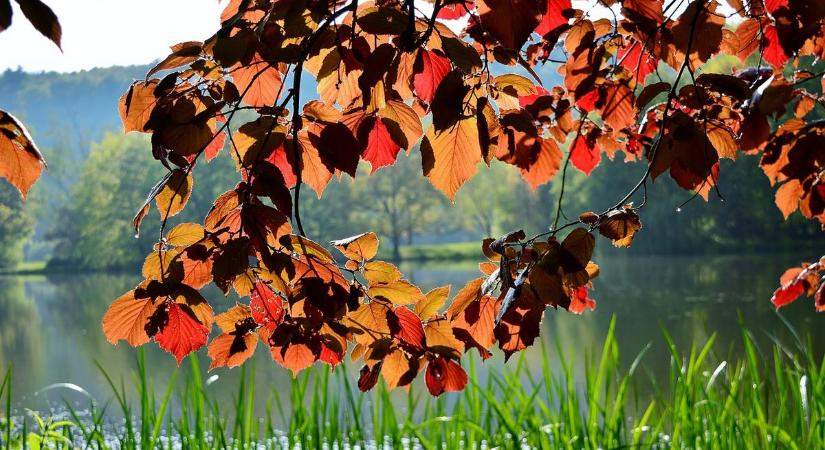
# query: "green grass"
{"points": [[453, 251], [24, 268], [771, 397]]}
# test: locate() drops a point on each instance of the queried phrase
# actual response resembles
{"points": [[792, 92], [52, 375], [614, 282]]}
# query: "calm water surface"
{"points": [[50, 325]]}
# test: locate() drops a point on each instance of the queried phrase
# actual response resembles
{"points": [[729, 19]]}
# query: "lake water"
{"points": [[50, 325]]}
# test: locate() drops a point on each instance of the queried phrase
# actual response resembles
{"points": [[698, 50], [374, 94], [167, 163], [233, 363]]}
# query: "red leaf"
{"points": [[330, 356], [554, 16], [788, 293], [215, 146], [428, 71], [369, 377], [773, 5], [637, 60], [444, 375], [267, 307], [182, 334], [283, 162], [381, 149], [406, 326], [456, 10], [527, 100], [585, 154], [579, 301], [773, 52], [819, 298]]}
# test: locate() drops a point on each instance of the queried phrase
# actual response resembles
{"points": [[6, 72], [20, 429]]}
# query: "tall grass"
{"points": [[771, 397]]}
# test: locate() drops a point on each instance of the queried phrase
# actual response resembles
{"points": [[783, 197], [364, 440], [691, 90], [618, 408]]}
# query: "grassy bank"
{"points": [[452, 251], [767, 398]]}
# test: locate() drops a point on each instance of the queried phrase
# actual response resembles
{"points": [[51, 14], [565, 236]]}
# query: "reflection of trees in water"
{"points": [[21, 338]]}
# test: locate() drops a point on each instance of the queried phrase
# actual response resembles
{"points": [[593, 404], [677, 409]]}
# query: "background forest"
{"points": [[79, 216]]}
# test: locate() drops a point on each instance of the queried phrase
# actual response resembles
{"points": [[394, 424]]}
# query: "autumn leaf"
{"points": [[42, 18], [429, 69], [620, 226], [20, 160], [174, 195], [259, 82], [444, 375], [585, 154], [406, 326], [362, 247], [450, 156], [182, 333], [185, 234], [510, 21], [399, 292], [381, 272], [295, 357], [228, 350], [126, 319], [136, 105], [398, 369], [475, 325], [546, 165], [554, 16], [433, 302], [267, 307]]}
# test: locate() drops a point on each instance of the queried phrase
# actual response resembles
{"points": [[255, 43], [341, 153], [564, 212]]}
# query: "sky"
{"points": [[101, 33]]}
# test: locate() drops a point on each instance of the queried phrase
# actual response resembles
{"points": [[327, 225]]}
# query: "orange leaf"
{"points": [[362, 247], [398, 369], [450, 156], [546, 165], [230, 350], [20, 160], [259, 80], [126, 319], [136, 105], [295, 357], [474, 326]]}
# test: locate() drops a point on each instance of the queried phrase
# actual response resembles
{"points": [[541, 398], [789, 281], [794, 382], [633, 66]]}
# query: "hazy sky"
{"points": [[100, 33]]}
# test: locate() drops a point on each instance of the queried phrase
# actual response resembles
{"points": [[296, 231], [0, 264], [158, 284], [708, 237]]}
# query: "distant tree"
{"points": [[95, 228], [16, 227], [398, 202]]}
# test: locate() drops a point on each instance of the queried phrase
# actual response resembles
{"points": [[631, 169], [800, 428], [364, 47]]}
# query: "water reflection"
{"points": [[50, 326]]}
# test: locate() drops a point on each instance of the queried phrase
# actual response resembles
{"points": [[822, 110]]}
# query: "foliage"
{"points": [[770, 396], [381, 68]]}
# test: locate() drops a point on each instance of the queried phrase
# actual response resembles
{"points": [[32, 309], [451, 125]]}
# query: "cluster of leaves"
{"points": [[20, 160], [381, 70]]}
